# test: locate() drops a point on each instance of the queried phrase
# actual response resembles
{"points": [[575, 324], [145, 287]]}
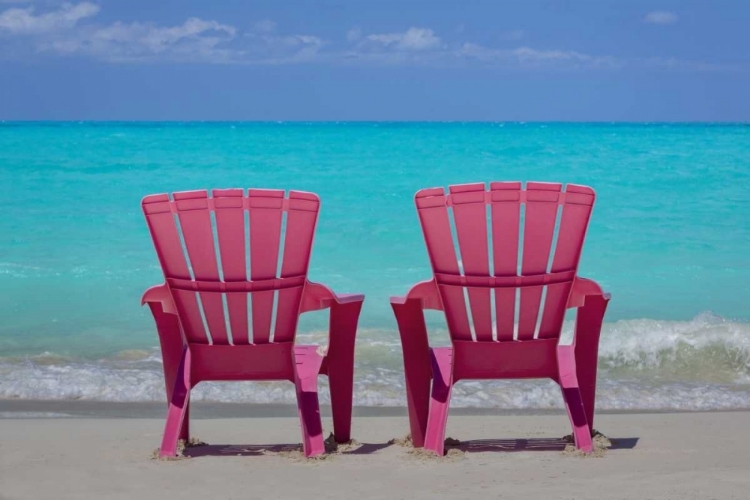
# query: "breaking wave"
{"points": [[644, 364]]}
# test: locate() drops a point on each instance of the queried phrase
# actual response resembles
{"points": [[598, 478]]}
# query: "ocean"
{"points": [[669, 238]]}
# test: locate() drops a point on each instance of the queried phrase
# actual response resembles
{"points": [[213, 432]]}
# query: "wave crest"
{"points": [[644, 364]]}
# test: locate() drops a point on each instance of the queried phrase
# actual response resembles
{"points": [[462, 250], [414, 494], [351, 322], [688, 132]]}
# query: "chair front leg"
{"points": [[417, 369], [340, 366], [172, 346], [588, 328], [307, 367], [178, 406]]}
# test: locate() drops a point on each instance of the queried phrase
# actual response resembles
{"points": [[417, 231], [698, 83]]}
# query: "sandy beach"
{"points": [[658, 455]]}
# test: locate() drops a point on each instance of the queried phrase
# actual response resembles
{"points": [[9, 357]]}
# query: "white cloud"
{"points": [[674, 64], [267, 48], [265, 26], [193, 39], [23, 21], [534, 57], [529, 54], [660, 17], [354, 34], [158, 39], [512, 35], [411, 39], [69, 29], [196, 40], [570, 59]]}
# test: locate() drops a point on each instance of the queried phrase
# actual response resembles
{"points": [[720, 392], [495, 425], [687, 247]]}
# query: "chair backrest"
{"points": [[222, 261], [534, 237]]}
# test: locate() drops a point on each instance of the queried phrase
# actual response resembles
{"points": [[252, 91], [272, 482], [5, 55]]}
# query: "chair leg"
{"points": [[178, 408], [172, 348], [442, 368], [417, 371], [588, 328], [308, 363], [340, 366], [185, 429], [571, 393]]}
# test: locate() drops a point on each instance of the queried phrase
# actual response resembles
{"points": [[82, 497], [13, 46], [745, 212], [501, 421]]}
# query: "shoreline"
{"points": [[201, 410], [665, 456]]}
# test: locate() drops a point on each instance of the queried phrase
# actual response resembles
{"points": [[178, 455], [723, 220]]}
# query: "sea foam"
{"points": [[644, 364]]}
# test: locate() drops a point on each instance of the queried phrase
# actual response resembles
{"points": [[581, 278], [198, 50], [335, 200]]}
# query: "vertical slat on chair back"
{"points": [[230, 228], [530, 288], [202, 245], [505, 198]]}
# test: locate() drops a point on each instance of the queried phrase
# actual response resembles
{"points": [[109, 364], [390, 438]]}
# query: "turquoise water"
{"points": [[668, 238]]}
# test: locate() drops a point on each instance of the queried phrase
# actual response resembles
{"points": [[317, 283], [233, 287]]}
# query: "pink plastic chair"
{"points": [[206, 329], [516, 345]]}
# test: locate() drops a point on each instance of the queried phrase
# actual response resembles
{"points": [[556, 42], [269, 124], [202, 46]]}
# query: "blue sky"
{"points": [[627, 60]]}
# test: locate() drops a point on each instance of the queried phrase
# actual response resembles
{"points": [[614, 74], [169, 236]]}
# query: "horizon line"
{"points": [[294, 121]]}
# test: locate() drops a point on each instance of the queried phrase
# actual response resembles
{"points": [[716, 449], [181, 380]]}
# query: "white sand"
{"points": [[679, 456]]}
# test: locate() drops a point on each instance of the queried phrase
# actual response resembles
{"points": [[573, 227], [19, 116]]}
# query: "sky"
{"points": [[483, 60]]}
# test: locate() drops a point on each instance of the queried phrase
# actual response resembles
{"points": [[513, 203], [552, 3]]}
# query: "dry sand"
{"points": [[653, 456]]}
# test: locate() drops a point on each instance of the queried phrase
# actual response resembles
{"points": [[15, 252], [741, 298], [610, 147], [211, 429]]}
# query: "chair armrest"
{"points": [[582, 288], [426, 292], [160, 295], [316, 297]]}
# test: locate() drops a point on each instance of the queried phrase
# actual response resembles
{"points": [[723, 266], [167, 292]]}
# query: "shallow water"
{"points": [[668, 239]]}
